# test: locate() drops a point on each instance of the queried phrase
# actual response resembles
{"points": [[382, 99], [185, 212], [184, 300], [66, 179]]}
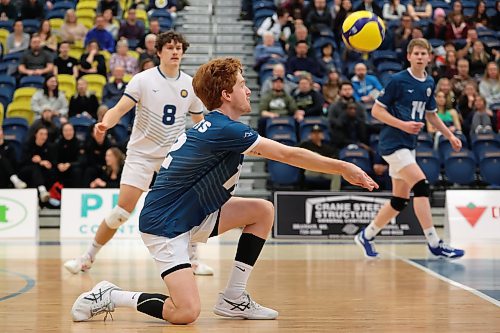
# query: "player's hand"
{"points": [[100, 131], [355, 176], [412, 127], [456, 143]]}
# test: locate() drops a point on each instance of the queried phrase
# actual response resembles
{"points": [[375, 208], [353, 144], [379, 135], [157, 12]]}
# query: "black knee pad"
{"points": [[421, 189], [399, 203]]}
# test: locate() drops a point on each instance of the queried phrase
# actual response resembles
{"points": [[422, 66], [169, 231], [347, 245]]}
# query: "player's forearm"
{"points": [[384, 116], [438, 124], [306, 159], [113, 115]]}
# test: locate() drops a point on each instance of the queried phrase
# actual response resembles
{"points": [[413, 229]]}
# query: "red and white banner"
{"points": [[473, 215]]}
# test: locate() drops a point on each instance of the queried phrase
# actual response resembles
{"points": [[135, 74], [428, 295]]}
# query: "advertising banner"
{"points": [[473, 215], [338, 215], [82, 210], [18, 213]]}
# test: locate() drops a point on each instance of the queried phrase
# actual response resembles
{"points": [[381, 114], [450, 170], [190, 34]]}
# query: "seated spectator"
{"points": [[317, 180], [7, 11], [146, 64], [114, 5], [37, 163], [277, 24], [393, 10], [366, 87], [301, 33], [350, 129], [18, 40], [437, 28], [479, 18], [83, 102], [32, 9], [51, 97], [489, 86], [296, 8], [100, 35], [302, 63], [402, 34], [72, 31], [335, 110], [416, 32], [168, 5], [91, 62], [331, 87], [112, 25], [49, 40], [113, 90], [478, 59], [420, 9], [122, 59], [444, 86], [472, 37], [495, 20], [456, 8], [462, 78], [449, 117], [109, 176], [69, 158], [131, 29], [370, 6], [8, 166], [64, 64], [35, 60], [278, 71], [319, 18], [309, 101], [345, 10], [466, 105], [95, 152], [268, 51], [457, 28], [46, 120], [449, 70], [154, 29], [482, 117], [329, 59], [150, 50], [276, 103]]}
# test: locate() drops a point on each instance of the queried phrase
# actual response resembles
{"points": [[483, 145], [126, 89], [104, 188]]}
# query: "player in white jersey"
{"points": [[163, 96]]}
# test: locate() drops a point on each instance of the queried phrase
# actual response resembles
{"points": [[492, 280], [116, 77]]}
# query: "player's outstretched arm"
{"points": [[113, 115], [306, 159], [380, 113], [433, 118]]}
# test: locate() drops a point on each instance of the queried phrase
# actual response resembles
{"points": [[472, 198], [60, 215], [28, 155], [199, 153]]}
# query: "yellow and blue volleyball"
{"points": [[363, 31]]}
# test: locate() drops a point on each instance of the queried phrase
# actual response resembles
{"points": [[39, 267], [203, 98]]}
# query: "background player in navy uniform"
{"points": [[192, 200], [401, 107]]}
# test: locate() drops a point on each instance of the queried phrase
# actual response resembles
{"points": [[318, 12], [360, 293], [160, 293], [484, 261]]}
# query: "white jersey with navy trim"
{"points": [[406, 97], [198, 175], [162, 106]]}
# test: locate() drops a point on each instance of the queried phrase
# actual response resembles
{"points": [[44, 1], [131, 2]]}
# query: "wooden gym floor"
{"points": [[316, 287]]}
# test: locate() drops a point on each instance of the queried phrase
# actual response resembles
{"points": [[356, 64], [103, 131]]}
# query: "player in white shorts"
{"points": [[163, 96]]}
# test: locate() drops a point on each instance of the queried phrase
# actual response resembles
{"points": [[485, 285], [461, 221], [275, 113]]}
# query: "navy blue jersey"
{"points": [[407, 98], [198, 175]]}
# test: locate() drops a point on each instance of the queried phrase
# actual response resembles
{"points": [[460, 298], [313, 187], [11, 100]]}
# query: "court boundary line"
{"points": [[30, 283], [451, 282]]}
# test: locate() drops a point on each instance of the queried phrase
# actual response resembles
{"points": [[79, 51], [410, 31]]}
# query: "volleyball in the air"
{"points": [[363, 31]]}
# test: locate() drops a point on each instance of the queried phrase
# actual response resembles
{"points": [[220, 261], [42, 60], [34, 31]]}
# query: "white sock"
{"points": [[432, 236], [93, 249], [14, 179], [42, 189], [371, 231], [238, 280], [123, 298]]}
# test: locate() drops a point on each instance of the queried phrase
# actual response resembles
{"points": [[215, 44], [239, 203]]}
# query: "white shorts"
{"points": [[398, 160], [138, 171], [171, 254]]}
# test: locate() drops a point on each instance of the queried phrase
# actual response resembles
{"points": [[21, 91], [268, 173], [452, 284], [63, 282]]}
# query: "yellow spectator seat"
{"points": [[134, 54], [107, 55], [96, 83], [88, 13], [56, 23], [24, 94], [67, 83], [141, 14], [2, 114], [21, 109], [86, 21], [86, 5], [4, 33], [75, 53]]}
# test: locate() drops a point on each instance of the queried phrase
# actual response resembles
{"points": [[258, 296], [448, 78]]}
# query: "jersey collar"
{"points": [[417, 78], [166, 77]]}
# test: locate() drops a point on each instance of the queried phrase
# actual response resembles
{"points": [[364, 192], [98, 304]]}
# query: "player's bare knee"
{"points": [[267, 210], [421, 189], [117, 217]]}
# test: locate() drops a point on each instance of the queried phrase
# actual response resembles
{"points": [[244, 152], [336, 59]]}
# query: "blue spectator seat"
{"points": [[489, 167], [160, 13], [35, 81], [10, 57], [120, 133], [358, 156], [374, 139], [281, 174], [59, 13], [81, 125], [17, 146], [64, 5], [4, 68], [436, 42], [265, 72], [469, 4], [428, 160], [380, 56], [7, 81], [468, 12], [491, 12], [444, 146], [307, 124], [482, 142], [424, 140], [440, 4], [281, 125], [261, 4], [490, 42], [165, 24], [389, 66], [15, 129], [460, 167], [31, 26], [5, 96], [7, 25], [261, 14]]}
